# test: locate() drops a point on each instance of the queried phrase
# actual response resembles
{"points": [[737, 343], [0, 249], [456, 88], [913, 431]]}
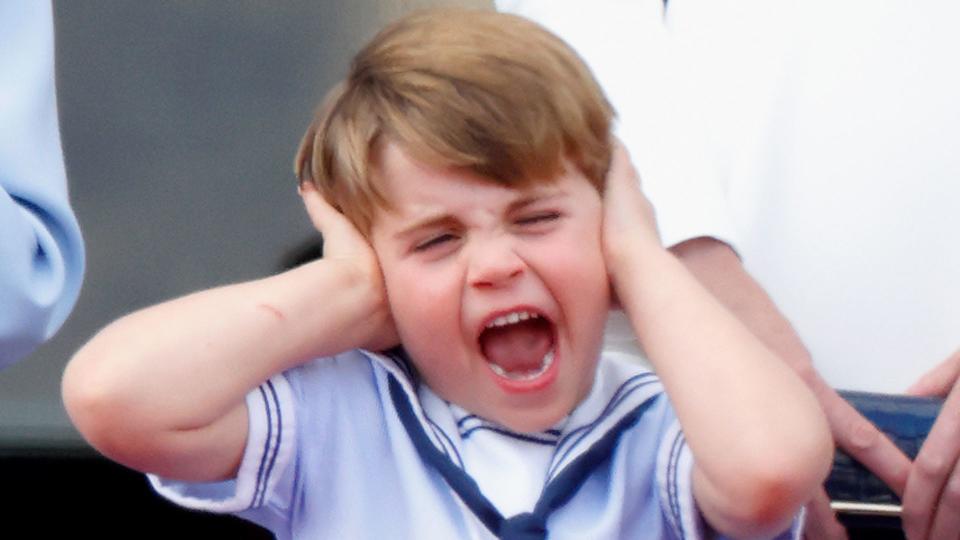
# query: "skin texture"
{"points": [[931, 500], [921, 484], [456, 250], [492, 249], [767, 455]]}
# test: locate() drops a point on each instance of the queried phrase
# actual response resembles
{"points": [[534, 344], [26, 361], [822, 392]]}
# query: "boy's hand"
{"points": [[629, 224], [343, 245]]}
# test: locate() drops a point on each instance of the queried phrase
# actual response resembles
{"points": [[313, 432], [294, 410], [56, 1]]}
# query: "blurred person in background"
{"points": [[41, 251], [802, 158]]}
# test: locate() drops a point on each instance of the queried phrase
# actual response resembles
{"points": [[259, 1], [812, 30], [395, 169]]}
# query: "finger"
{"points": [[859, 438], [628, 212], [946, 518], [934, 465], [939, 380], [821, 523], [622, 173], [319, 210], [340, 238], [324, 216]]}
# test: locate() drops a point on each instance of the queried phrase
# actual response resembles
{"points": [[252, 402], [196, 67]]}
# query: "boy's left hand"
{"points": [[629, 224]]}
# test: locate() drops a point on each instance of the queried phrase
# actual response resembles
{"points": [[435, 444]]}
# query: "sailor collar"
{"points": [[621, 393]]}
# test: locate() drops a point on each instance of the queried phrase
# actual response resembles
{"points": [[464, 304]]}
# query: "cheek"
{"points": [[423, 304], [579, 276], [578, 257]]}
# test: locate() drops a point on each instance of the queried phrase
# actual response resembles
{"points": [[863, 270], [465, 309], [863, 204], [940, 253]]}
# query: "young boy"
{"points": [[476, 228]]}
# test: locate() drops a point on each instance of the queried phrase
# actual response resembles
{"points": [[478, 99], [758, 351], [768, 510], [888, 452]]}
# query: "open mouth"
{"points": [[519, 345]]}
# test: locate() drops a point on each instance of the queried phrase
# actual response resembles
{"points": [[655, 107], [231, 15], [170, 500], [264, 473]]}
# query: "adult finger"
{"points": [[933, 487], [859, 438], [946, 516], [939, 380], [821, 523]]}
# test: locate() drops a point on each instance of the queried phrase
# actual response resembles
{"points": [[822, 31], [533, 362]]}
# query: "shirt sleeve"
{"points": [[311, 429], [264, 486], [41, 251], [675, 487], [642, 60]]}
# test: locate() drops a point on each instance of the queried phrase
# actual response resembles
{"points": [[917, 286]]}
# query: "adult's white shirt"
{"points": [[820, 139]]}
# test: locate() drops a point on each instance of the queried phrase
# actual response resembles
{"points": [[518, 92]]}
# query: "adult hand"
{"points": [[344, 245], [860, 439], [821, 522], [931, 501], [719, 268]]}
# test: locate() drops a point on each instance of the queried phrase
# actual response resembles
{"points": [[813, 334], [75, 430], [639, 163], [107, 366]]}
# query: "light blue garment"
{"points": [[354, 447], [41, 251]]}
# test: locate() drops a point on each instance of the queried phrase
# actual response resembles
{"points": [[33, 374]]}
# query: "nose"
{"points": [[494, 263]]}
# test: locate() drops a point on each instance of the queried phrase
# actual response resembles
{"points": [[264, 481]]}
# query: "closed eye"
{"points": [[433, 242], [538, 218]]}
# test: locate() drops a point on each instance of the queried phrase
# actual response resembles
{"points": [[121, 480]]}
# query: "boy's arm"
{"points": [[162, 390], [719, 269], [760, 443]]}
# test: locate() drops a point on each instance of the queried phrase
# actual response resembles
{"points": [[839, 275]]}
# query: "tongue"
{"points": [[518, 347]]}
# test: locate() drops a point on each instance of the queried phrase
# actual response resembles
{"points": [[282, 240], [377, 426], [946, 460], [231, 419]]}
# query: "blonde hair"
{"points": [[489, 92]]}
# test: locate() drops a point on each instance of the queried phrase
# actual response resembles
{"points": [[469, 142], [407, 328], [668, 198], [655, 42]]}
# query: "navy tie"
{"points": [[528, 525]]}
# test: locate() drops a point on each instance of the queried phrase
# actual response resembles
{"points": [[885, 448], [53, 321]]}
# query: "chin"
{"points": [[533, 421]]}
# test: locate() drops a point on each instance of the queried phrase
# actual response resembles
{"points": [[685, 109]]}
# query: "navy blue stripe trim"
{"points": [[508, 433], [461, 483], [565, 486], [266, 450], [276, 445], [673, 495], [402, 366], [399, 357], [444, 439], [549, 436], [557, 493], [628, 387], [625, 388], [467, 418]]}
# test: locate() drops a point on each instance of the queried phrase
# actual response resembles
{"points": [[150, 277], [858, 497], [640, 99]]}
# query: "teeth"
{"points": [[525, 375], [511, 318]]}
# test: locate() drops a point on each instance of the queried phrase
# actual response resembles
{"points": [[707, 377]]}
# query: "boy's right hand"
{"points": [[343, 245]]}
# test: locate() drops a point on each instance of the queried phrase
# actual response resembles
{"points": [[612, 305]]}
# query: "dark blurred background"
{"points": [[179, 122]]}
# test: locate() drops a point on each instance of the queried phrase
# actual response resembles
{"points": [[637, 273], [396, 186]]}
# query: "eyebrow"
{"points": [[445, 219]]}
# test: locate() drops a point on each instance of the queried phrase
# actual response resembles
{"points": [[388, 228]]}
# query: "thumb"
{"points": [[939, 380]]}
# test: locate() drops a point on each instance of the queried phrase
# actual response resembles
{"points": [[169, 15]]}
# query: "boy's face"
{"points": [[499, 294]]}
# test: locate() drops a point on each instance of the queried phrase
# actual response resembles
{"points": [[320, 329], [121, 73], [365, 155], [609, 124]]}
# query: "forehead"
{"points": [[410, 185]]}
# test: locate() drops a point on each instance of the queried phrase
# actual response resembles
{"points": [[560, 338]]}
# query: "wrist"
{"points": [[628, 261], [324, 308], [646, 284]]}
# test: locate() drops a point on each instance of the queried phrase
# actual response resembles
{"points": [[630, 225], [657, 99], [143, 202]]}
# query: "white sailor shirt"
{"points": [[355, 447]]}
